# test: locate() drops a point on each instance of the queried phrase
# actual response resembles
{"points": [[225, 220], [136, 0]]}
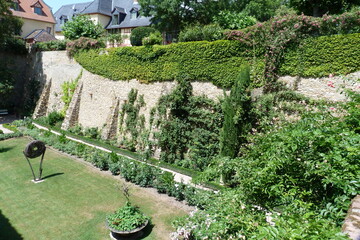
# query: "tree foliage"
{"points": [[318, 8], [9, 25], [6, 86], [82, 26], [173, 15]]}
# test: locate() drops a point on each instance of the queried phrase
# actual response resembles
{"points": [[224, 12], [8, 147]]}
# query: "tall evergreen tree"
{"points": [[236, 109]]}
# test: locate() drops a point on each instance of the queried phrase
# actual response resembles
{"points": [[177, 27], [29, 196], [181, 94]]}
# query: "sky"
{"points": [[56, 4]]}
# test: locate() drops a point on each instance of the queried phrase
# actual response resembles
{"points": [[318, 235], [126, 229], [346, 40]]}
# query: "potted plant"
{"points": [[127, 220]]}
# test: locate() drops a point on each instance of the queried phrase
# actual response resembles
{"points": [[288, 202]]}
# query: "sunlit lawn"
{"points": [[71, 203]]}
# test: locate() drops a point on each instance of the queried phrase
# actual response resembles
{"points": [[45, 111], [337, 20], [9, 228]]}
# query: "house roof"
{"points": [[105, 7], [40, 35], [27, 11], [68, 11], [99, 6], [128, 5]]}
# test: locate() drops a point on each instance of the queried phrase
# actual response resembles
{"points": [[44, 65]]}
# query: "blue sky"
{"points": [[56, 4]]}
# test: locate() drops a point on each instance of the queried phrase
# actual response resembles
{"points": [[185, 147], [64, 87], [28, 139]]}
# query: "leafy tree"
{"points": [[262, 9], [173, 15], [236, 119], [9, 25], [6, 86], [82, 26], [318, 8]]}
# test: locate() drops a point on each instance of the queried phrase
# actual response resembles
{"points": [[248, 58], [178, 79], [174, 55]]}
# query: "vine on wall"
{"points": [[188, 127], [133, 135]]}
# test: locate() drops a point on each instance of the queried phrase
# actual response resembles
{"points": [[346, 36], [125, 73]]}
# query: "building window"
{"points": [[133, 15], [63, 19], [126, 30], [38, 10], [115, 20], [48, 29]]}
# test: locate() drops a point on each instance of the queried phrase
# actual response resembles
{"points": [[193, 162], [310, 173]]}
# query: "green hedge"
{"points": [[317, 57], [218, 62]]}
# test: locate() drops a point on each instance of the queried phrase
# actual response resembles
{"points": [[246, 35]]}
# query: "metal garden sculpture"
{"points": [[33, 150]]}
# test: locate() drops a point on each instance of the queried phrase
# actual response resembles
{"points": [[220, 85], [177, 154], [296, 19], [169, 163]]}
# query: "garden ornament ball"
{"points": [[33, 150]]}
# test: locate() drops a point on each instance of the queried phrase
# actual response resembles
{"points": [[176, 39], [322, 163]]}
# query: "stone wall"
{"points": [[329, 88], [57, 68], [352, 221], [96, 102]]}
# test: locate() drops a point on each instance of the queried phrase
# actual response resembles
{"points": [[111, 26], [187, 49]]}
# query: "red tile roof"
{"points": [[27, 11]]}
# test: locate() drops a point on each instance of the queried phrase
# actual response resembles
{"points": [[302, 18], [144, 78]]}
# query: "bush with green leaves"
{"points": [[54, 118], [83, 43], [127, 218], [154, 38], [234, 20], [139, 33], [82, 26], [211, 32], [55, 45]]}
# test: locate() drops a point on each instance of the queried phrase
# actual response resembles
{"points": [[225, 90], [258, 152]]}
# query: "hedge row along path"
{"points": [[178, 177]]}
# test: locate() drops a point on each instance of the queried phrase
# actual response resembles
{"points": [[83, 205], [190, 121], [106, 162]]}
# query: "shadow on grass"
{"points": [[52, 175], [136, 236], [7, 230], [2, 150]]}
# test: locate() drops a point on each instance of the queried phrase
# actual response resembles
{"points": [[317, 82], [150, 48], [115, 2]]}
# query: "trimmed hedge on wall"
{"points": [[217, 62], [318, 57]]}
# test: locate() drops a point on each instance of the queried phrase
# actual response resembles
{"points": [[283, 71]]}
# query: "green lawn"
{"points": [[71, 203]]}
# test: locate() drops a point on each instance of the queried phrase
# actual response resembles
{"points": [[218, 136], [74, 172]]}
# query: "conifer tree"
{"points": [[236, 107]]}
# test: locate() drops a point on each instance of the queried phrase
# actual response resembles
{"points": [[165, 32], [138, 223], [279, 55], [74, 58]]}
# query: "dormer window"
{"points": [[63, 19], [118, 15], [38, 8], [134, 13], [115, 20]]}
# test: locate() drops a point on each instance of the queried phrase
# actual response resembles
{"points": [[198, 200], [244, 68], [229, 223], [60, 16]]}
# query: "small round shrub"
{"points": [[54, 117], [139, 33], [152, 39]]}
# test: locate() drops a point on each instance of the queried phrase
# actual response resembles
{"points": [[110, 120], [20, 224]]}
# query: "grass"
{"points": [[71, 203]]}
